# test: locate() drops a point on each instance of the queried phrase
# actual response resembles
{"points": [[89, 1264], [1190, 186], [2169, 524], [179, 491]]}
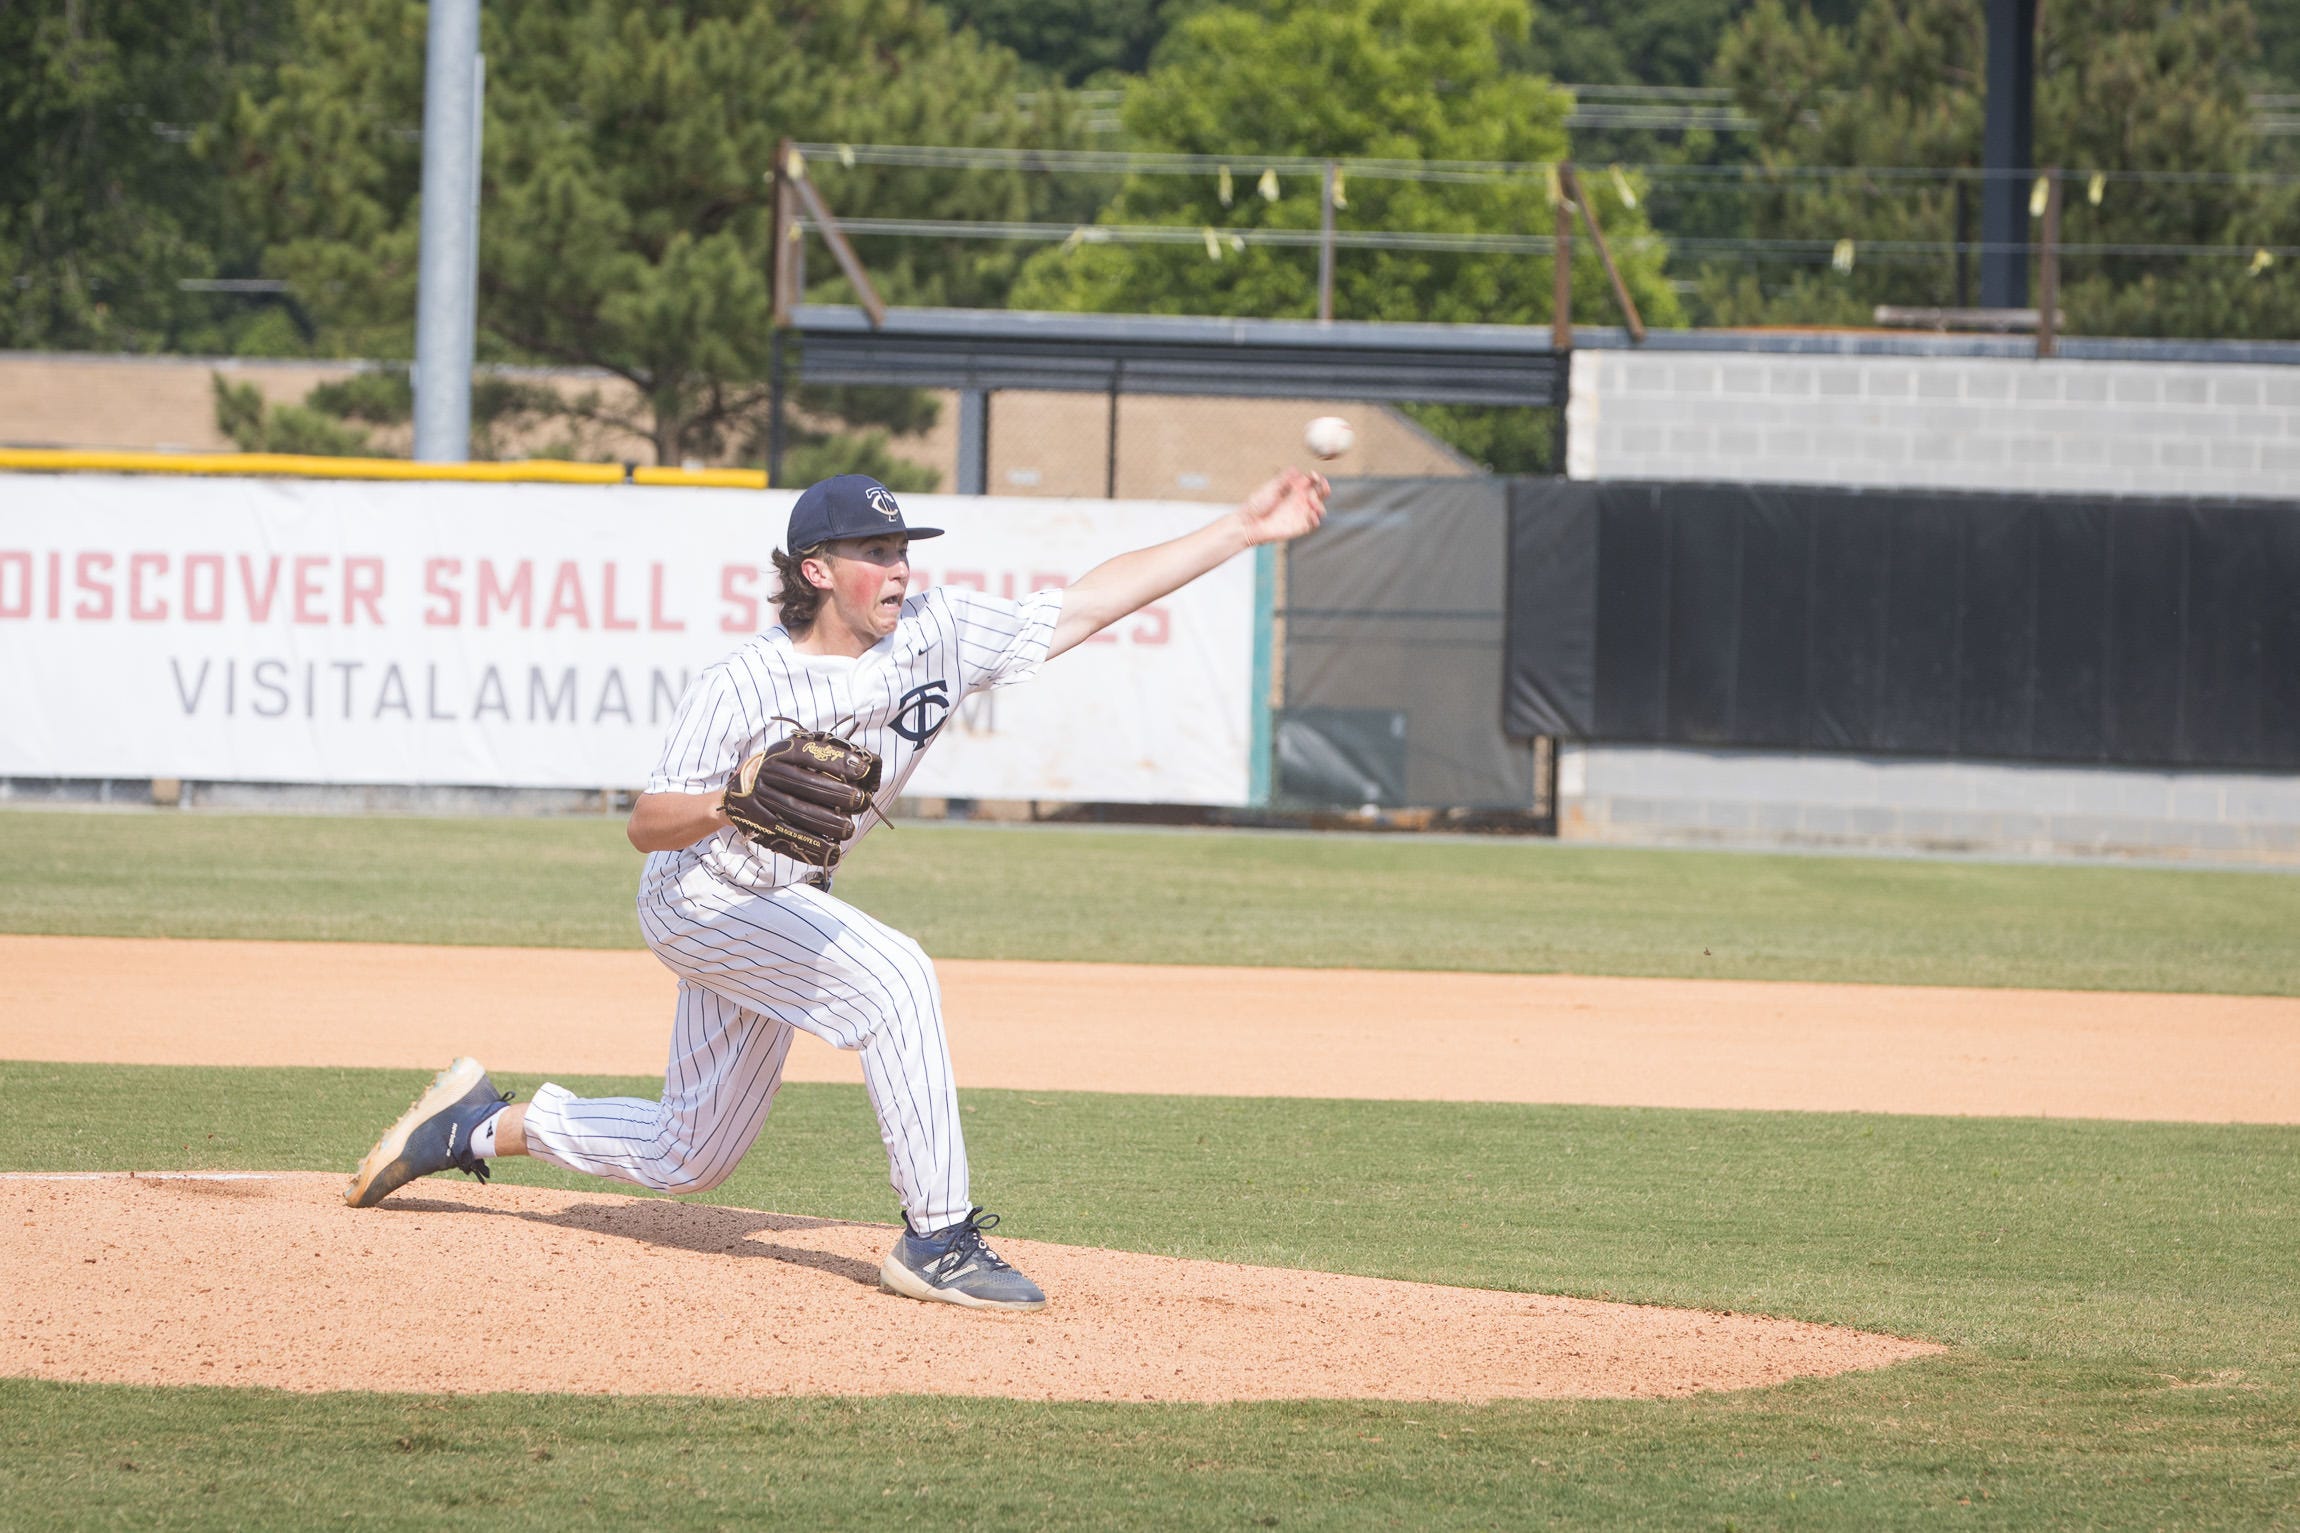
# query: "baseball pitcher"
{"points": [[782, 755]]}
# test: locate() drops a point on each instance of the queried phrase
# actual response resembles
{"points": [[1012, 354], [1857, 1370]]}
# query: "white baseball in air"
{"points": [[1329, 436]]}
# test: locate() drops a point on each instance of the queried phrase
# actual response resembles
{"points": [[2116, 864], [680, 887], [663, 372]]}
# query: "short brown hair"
{"points": [[798, 599]]}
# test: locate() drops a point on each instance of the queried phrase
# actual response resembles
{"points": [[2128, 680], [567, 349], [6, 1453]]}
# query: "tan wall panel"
{"points": [[1170, 447], [164, 404], [1175, 447]]}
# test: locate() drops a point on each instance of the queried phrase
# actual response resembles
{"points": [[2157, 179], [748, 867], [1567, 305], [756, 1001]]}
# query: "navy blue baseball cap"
{"points": [[848, 506]]}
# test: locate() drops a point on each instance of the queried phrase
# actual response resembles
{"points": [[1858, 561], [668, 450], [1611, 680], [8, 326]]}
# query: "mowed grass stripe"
{"points": [[1211, 898], [2117, 1295], [1962, 1442]]}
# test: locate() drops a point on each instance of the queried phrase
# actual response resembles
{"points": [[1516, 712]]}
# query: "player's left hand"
{"points": [[800, 795], [1292, 503]]}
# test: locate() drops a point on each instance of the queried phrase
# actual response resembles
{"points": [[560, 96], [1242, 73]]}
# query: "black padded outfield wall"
{"points": [[1393, 622], [2013, 627]]}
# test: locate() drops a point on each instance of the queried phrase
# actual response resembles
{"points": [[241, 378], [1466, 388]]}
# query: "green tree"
{"points": [[2278, 28], [254, 425], [1410, 80], [1630, 42], [1073, 40], [2121, 86], [105, 204], [337, 419], [626, 205]]}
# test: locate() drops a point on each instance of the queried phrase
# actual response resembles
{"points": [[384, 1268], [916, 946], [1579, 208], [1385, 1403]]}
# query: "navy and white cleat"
{"points": [[433, 1135], [953, 1266]]}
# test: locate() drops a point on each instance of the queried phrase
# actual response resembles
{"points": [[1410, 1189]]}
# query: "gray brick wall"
{"points": [[1754, 798], [1949, 422]]}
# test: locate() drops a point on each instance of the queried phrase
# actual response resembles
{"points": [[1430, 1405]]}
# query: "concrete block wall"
{"points": [[1871, 803], [1982, 423]]}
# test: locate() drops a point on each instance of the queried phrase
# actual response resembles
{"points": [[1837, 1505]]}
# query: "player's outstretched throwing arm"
{"points": [[1289, 505]]}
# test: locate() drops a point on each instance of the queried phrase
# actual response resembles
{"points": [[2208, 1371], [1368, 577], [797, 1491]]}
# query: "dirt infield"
{"points": [[265, 1280], [1259, 1032], [271, 1281]]}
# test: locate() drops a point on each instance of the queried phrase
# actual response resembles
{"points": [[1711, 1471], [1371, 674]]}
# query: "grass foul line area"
{"points": [[1064, 893]]}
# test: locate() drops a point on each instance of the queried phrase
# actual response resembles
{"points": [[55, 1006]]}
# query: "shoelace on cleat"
{"points": [[966, 1244]]}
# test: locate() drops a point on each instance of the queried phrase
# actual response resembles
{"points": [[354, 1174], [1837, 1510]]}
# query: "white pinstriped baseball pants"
{"points": [[752, 968]]}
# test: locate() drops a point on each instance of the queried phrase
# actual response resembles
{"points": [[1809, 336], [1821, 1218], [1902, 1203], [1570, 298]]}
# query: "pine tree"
{"points": [[626, 202]]}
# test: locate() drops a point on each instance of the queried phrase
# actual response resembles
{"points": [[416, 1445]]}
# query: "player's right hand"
{"points": [[1292, 503]]}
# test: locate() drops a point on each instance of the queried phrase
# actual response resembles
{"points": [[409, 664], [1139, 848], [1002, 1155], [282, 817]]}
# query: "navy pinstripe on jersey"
{"points": [[951, 642]]}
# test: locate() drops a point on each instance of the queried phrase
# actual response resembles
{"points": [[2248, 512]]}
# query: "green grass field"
{"points": [[1155, 897], [2118, 1297]]}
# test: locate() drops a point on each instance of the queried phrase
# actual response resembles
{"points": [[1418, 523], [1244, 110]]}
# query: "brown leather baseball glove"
{"points": [[800, 795]]}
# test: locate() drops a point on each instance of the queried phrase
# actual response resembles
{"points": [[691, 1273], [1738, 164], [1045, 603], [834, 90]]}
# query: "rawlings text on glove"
{"points": [[800, 795]]}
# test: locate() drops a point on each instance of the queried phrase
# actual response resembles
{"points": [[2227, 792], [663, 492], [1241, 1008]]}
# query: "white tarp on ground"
{"points": [[531, 635]]}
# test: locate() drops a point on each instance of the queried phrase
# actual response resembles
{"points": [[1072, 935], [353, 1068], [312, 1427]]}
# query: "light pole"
{"points": [[447, 256]]}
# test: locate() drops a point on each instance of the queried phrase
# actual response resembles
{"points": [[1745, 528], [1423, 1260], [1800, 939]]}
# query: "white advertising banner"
{"points": [[541, 635]]}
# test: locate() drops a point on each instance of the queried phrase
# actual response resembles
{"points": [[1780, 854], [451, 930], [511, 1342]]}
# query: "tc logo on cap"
{"points": [[849, 506]]}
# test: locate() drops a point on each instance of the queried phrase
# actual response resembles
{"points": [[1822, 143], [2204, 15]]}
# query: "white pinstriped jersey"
{"points": [[950, 643]]}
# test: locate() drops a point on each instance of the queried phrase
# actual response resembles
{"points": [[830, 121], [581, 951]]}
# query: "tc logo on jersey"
{"points": [[882, 501], [924, 707]]}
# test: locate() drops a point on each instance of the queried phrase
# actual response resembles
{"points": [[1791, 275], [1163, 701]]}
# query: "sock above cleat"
{"points": [[483, 1136]]}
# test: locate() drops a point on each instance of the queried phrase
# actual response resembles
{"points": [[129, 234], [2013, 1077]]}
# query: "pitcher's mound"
{"points": [[454, 1287]]}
